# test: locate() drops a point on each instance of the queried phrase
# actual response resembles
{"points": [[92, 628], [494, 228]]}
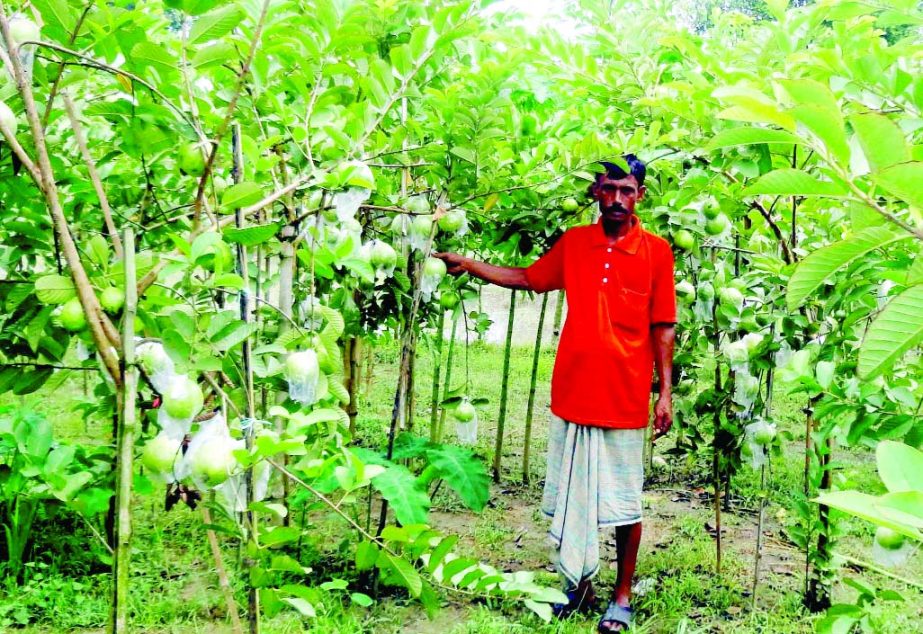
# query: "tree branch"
{"points": [[94, 175], [88, 300]]}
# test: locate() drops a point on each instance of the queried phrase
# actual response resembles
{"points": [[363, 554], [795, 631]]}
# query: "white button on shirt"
{"points": [[605, 279], [607, 265]]}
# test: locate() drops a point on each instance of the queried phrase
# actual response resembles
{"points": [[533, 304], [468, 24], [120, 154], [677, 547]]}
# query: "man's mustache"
{"points": [[615, 208]]}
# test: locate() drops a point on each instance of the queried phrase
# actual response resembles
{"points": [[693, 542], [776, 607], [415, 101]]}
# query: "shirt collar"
{"points": [[628, 243]]}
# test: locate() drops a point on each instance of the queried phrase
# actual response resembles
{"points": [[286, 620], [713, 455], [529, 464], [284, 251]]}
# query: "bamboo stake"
{"points": [[125, 442], [437, 370], [762, 506], [440, 432], [253, 603], [504, 387], [223, 581], [531, 404], [558, 314]]}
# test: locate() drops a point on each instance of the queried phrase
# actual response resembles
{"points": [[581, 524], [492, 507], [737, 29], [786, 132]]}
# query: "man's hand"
{"points": [[454, 262], [663, 415]]}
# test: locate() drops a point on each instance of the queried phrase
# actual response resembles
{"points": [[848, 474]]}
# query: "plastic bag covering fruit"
{"points": [[455, 221], [890, 548], [383, 259], [746, 389], [684, 240], [302, 371], [160, 455], [156, 364], [232, 493], [400, 226], [209, 460], [737, 354], [731, 296], [8, 118], [433, 271], [685, 291], [356, 174], [464, 411], [467, 432], [183, 398], [759, 429], [311, 313], [347, 203], [72, 315], [22, 29], [420, 229]]}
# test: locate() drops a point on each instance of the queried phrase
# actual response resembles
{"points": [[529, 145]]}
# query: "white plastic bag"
{"points": [[467, 432]]}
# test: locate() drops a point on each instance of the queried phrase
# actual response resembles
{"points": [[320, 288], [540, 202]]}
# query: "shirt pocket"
{"points": [[630, 310]]}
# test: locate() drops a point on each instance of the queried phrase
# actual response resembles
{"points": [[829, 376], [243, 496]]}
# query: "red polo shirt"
{"points": [[615, 291]]}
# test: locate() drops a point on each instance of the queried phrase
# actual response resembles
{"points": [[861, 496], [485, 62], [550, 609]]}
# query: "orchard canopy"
{"points": [[212, 206]]}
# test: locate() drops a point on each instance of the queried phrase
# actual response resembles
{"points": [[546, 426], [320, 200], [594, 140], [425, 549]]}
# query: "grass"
{"points": [[174, 587]]}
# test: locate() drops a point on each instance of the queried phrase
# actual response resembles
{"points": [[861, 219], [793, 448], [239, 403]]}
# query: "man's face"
{"points": [[618, 197]]}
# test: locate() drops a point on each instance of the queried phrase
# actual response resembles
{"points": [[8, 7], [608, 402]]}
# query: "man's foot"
{"points": [[580, 599], [617, 618]]}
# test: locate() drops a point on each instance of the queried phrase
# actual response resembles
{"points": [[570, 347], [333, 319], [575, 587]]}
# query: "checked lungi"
{"points": [[594, 480]]}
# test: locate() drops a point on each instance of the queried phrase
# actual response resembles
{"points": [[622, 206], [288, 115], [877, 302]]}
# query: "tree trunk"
{"points": [[818, 597], [504, 387], [526, 446]]}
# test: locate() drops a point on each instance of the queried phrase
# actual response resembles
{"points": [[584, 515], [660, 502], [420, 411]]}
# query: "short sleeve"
{"points": [[547, 273], [663, 291]]}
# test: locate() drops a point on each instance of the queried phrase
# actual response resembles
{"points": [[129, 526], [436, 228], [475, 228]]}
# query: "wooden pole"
{"points": [[125, 443], [437, 371], [558, 314], [530, 407], [504, 388], [447, 385], [253, 603]]}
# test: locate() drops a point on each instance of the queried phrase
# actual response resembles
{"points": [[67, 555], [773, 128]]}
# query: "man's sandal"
{"points": [[574, 604], [616, 619]]}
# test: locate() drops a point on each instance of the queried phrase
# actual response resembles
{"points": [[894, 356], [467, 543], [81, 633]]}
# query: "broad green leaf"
{"points": [[915, 274], [399, 486], [366, 555], [150, 54], [464, 473], [29, 381], [870, 508], [543, 610], [808, 92], [440, 551], [817, 267], [54, 289], [360, 599], [897, 329], [900, 466], [881, 140], [464, 153], [749, 136], [405, 573], [214, 55], [215, 24], [904, 181], [302, 605], [827, 127], [251, 236], [753, 111], [240, 195], [793, 182], [56, 13]]}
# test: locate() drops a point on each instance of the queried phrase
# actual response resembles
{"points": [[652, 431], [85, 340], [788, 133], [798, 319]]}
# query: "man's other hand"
{"points": [[663, 416], [454, 262]]}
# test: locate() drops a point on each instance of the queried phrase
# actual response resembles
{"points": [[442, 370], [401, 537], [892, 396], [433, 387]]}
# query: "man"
{"points": [[618, 279]]}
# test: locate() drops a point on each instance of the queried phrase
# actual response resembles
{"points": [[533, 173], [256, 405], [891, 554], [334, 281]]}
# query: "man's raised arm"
{"points": [[505, 276]]}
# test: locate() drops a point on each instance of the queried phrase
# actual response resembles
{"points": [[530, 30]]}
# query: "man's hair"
{"points": [[635, 166]]}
